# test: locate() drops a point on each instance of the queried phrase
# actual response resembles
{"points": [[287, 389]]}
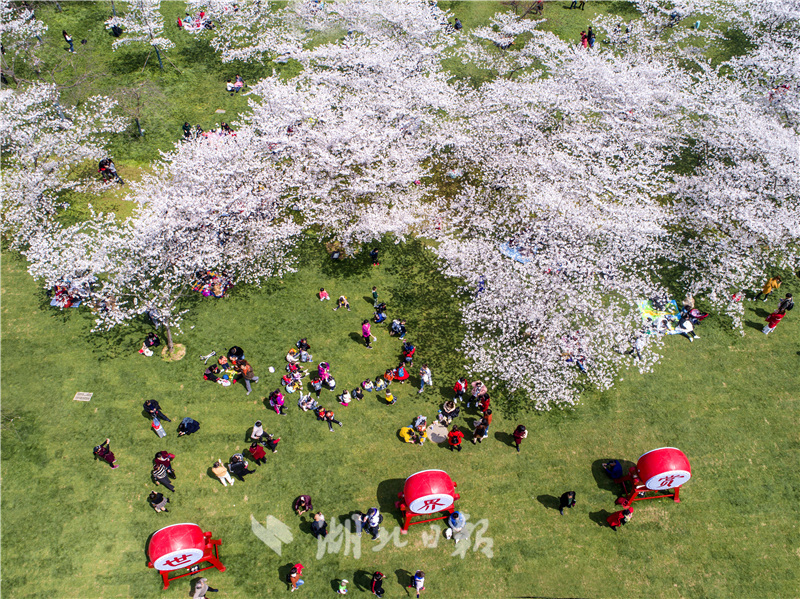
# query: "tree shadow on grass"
{"points": [[551, 502]]}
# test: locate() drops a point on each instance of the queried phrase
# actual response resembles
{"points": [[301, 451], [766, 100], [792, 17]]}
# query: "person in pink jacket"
{"points": [[773, 320], [366, 334]]}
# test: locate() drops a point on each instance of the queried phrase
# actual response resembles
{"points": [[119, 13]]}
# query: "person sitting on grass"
{"points": [[302, 505], [613, 469], [188, 426], [401, 373], [150, 342], [380, 384], [368, 386], [215, 375], [271, 443], [380, 313], [330, 418], [158, 502], [390, 398], [303, 345], [345, 398], [398, 327], [357, 393], [323, 295], [305, 402], [408, 352], [448, 412], [408, 434], [342, 303], [293, 356]]}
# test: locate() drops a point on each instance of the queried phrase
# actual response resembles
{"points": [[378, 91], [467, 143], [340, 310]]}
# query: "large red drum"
{"points": [[429, 491], [664, 468], [176, 546]]}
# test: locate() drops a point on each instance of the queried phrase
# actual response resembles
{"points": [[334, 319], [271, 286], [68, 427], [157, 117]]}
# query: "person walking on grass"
{"points": [[165, 458], [161, 477], [103, 451], [366, 333], [772, 322], [377, 584], [293, 577], [425, 377], [374, 297], [221, 472], [480, 431], [770, 286], [201, 588], [454, 438], [319, 528], [620, 518], [786, 304], [519, 434], [567, 501], [418, 582], [248, 376], [374, 256], [68, 39]]}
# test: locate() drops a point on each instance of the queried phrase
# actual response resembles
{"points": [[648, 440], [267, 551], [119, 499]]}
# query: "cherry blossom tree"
{"points": [[142, 24], [186, 221], [22, 34], [42, 147]]}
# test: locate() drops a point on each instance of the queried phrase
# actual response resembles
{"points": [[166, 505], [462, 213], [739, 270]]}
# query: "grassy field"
{"points": [[73, 527]]}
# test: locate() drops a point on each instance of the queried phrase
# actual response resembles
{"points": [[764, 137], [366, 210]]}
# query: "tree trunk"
{"points": [[168, 331], [138, 126], [158, 54]]}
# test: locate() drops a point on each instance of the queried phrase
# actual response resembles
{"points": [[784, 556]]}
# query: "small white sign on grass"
{"points": [[82, 396]]}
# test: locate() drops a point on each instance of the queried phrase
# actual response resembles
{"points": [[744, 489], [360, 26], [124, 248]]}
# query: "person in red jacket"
{"points": [[258, 453], [772, 321], [165, 459], [620, 518], [454, 438], [519, 434], [460, 388]]}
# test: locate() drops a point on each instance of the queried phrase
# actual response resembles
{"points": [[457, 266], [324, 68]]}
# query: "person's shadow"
{"points": [[369, 300], [549, 501], [754, 325], [283, 572], [506, 438], [357, 338], [600, 518], [404, 579], [363, 580]]}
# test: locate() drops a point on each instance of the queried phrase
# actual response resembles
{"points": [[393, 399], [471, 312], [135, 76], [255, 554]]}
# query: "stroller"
{"points": [[108, 170]]}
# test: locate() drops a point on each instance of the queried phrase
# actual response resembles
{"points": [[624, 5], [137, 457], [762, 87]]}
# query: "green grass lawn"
{"points": [[72, 527]]}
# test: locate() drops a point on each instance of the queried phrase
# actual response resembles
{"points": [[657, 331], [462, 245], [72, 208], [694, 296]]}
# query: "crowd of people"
{"points": [[472, 396]]}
